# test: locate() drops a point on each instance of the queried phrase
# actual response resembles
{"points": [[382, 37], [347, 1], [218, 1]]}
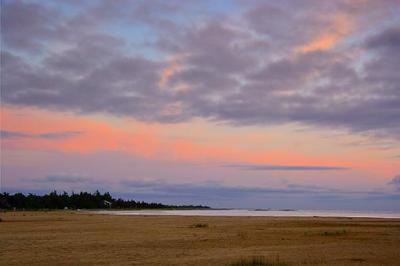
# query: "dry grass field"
{"points": [[72, 238]]}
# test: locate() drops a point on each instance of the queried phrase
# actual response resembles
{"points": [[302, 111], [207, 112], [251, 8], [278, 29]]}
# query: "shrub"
{"points": [[200, 225], [335, 233], [258, 261]]}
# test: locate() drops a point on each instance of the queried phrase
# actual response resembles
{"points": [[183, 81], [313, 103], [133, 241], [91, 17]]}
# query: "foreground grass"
{"points": [[72, 238]]}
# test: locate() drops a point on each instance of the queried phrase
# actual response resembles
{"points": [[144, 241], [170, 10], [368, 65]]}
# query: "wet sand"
{"points": [[73, 238]]}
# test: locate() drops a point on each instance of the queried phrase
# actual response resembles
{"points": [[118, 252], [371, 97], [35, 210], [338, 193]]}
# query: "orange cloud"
{"points": [[168, 71], [322, 42], [340, 26], [174, 65]]}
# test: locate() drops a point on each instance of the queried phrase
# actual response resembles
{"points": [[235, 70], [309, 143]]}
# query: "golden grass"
{"points": [[72, 238]]}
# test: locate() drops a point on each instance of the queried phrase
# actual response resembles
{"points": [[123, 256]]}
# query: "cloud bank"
{"points": [[267, 167], [332, 65], [47, 135]]}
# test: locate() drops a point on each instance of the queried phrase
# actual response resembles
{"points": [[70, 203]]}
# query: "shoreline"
{"points": [[223, 212], [252, 213]]}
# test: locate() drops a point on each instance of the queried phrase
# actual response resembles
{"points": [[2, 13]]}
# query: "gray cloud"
{"points": [[395, 182], [388, 39], [47, 135], [267, 167], [25, 25], [240, 69], [63, 178], [59, 181], [213, 190]]}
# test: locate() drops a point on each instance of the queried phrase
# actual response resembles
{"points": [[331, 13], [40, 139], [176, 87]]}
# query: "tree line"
{"points": [[82, 200]]}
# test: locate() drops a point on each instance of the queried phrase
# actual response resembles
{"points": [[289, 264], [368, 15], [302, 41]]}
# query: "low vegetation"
{"points": [[334, 233], [342, 232], [82, 200], [258, 261], [199, 225]]}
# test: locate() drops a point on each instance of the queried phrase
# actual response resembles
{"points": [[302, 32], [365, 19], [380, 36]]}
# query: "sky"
{"points": [[247, 104]]}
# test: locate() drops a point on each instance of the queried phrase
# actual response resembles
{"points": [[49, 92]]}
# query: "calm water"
{"points": [[241, 212]]}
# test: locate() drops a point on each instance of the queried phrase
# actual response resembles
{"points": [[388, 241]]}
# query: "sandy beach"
{"points": [[75, 238]]}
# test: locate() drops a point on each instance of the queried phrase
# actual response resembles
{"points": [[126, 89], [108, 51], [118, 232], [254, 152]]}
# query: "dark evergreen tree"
{"points": [[83, 200]]}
